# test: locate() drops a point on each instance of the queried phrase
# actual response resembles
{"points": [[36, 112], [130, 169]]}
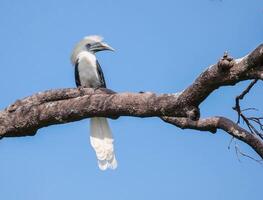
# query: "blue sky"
{"points": [[161, 46]]}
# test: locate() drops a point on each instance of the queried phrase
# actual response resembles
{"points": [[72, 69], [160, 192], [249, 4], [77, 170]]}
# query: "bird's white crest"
{"points": [[81, 46], [93, 38]]}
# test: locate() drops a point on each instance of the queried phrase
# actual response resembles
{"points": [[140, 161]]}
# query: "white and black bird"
{"points": [[88, 73]]}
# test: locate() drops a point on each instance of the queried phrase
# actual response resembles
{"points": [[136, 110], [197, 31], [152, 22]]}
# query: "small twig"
{"points": [[251, 128], [239, 152], [257, 120], [248, 120], [229, 145], [246, 109], [241, 96]]}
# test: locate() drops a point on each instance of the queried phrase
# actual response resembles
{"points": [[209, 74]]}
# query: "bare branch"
{"points": [[248, 120], [26, 116], [241, 96], [211, 124], [246, 68]]}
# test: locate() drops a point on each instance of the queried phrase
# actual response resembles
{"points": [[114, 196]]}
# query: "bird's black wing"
{"points": [[77, 80], [101, 76]]}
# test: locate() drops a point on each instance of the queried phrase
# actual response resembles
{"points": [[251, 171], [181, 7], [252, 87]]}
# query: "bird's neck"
{"points": [[86, 54]]}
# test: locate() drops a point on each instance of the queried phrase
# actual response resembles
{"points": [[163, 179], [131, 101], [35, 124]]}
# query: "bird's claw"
{"points": [[81, 90]]}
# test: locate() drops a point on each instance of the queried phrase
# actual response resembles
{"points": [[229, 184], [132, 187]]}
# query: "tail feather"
{"points": [[101, 140]]}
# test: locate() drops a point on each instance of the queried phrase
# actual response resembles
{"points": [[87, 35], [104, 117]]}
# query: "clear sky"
{"points": [[161, 46]]}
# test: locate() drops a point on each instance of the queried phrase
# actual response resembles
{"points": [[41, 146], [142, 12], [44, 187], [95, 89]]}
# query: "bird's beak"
{"points": [[105, 46], [100, 46]]}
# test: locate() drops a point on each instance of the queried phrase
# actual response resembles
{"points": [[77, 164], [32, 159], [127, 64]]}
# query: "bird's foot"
{"points": [[81, 90], [105, 90], [96, 88]]}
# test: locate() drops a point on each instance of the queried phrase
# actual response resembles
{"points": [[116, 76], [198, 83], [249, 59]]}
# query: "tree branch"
{"points": [[246, 68], [211, 124], [26, 116]]}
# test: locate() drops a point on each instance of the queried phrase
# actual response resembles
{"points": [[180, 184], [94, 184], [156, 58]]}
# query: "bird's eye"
{"points": [[88, 45]]}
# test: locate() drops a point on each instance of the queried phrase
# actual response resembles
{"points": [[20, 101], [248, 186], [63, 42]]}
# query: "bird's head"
{"points": [[92, 44], [95, 43]]}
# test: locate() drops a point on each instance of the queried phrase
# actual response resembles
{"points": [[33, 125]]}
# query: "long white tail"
{"points": [[102, 142]]}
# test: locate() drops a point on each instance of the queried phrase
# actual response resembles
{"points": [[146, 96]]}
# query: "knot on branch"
{"points": [[226, 62], [14, 106], [193, 113]]}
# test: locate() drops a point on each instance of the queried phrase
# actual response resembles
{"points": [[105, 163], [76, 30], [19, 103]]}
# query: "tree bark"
{"points": [[26, 116]]}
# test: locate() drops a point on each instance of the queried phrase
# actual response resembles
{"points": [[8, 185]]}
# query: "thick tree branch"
{"points": [[248, 67], [26, 116]]}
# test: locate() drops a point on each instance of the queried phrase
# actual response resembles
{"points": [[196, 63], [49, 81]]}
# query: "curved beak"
{"points": [[100, 46], [105, 46]]}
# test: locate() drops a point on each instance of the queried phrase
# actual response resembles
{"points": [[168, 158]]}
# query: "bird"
{"points": [[88, 73]]}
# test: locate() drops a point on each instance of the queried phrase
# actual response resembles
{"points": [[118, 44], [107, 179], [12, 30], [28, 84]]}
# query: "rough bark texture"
{"points": [[26, 116]]}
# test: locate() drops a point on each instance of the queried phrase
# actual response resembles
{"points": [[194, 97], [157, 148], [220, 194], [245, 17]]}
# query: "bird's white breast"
{"points": [[87, 67]]}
